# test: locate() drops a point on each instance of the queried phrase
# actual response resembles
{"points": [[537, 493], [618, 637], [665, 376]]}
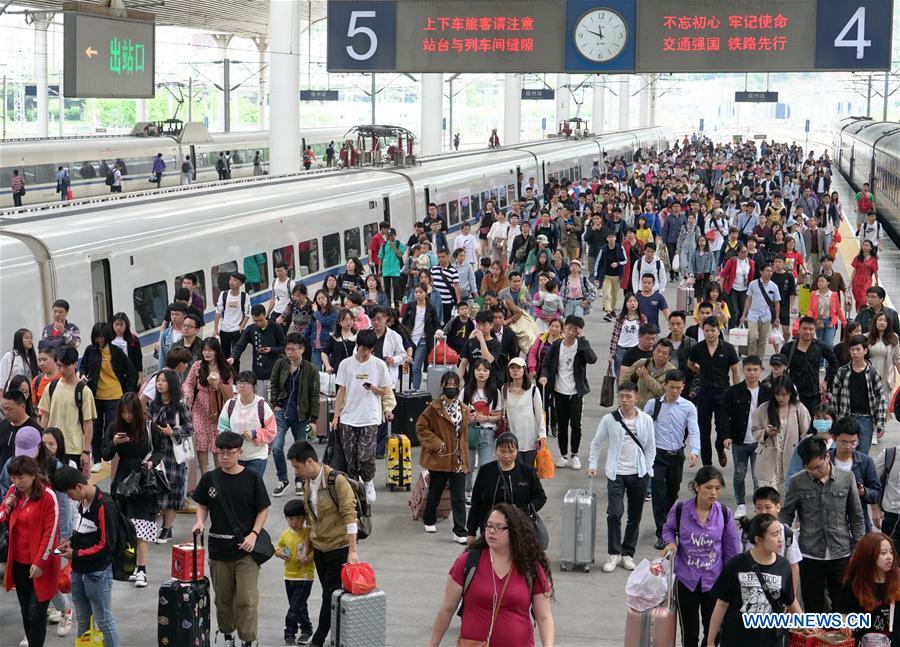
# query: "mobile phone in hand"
{"points": [[367, 385]]}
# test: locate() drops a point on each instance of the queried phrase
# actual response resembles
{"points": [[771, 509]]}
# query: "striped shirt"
{"points": [[444, 278]]}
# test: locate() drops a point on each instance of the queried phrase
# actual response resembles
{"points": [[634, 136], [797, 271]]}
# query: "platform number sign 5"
{"points": [[853, 34], [361, 35]]}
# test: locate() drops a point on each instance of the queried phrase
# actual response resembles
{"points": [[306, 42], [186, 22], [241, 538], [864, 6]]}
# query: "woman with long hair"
{"points": [[421, 320], [251, 417], [351, 279], [702, 535], [21, 384], [826, 308], [171, 419], [524, 410], [863, 270], [373, 294], [777, 426], [793, 259], [31, 512], [340, 344], [509, 578], [485, 413], [542, 264], [321, 325], [884, 351], [129, 343], [21, 360], [775, 242], [138, 446], [712, 293], [872, 586], [536, 356], [332, 289], [625, 331], [206, 389], [702, 265]]}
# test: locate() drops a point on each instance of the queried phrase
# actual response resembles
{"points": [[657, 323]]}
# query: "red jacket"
{"points": [[837, 312], [39, 521], [727, 275]]}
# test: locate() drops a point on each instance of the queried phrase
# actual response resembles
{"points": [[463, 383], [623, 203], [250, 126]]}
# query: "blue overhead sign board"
{"points": [[608, 36]]}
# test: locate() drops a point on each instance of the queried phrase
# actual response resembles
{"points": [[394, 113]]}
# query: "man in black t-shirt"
{"points": [[712, 359], [481, 345], [236, 501]]}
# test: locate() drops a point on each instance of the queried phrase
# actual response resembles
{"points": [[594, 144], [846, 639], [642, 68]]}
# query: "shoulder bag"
{"points": [[183, 449], [263, 550], [468, 642]]}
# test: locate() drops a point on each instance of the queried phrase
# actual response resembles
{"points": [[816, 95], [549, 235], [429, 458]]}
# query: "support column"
{"points": [[41, 23], [624, 100], [599, 104], [140, 110], [512, 109], [222, 41], [62, 105], [644, 101], [284, 104], [432, 100], [562, 99], [261, 45], [652, 112]]}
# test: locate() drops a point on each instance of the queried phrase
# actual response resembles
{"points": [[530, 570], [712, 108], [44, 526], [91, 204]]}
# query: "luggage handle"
{"points": [[436, 338], [670, 580], [197, 533]]}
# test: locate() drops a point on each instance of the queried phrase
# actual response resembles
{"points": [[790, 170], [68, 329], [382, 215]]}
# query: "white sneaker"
{"points": [[611, 563], [96, 467], [65, 624], [562, 462], [140, 580], [740, 512], [457, 538], [628, 562], [53, 615], [370, 491], [575, 463], [430, 528], [24, 642]]}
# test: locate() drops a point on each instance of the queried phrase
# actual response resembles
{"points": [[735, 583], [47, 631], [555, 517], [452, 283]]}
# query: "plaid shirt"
{"points": [[874, 387]]}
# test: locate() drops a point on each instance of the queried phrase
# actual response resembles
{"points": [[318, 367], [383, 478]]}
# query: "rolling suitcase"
{"points": [[685, 298], [654, 627], [398, 455], [579, 528], [419, 498], [323, 423], [410, 405], [434, 374], [358, 620], [183, 610]]}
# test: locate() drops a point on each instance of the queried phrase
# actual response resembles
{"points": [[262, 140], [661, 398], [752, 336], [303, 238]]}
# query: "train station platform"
{"points": [[411, 566]]}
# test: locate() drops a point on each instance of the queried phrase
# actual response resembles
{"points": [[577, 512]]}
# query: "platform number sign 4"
{"points": [[853, 34], [361, 35]]}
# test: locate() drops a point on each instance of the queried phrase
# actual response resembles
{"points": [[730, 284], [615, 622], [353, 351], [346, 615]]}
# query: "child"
{"points": [[459, 328], [767, 500], [299, 572], [49, 372], [354, 303], [548, 305]]}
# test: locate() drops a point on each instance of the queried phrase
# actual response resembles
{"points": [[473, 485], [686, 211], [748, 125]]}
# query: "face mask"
{"points": [[451, 392], [822, 426]]}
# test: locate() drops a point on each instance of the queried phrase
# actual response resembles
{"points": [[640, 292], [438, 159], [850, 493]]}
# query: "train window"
{"points": [[464, 213], [512, 191], [352, 243], [369, 232], [308, 257], [256, 272], [219, 278], [495, 196], [442, 211], [150, 303], [485, 196], [40, 174], [454, 212], [476, 205], [86, 170], [199, 285], [331, 246], [501, 196], [284, 255]]}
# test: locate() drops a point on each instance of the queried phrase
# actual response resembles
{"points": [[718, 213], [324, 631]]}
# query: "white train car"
{"points": [[126, 253]]}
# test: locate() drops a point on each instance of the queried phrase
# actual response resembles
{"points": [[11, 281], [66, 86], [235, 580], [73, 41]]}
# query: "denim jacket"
{"points": [[830, 513]]}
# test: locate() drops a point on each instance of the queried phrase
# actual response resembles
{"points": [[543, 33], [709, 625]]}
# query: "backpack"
{"points": [[124, 551], [185, 167], [363, 508], [111, 178], [220, 164], [224, 295], [79, 397], [890, 454], [260, 409]]}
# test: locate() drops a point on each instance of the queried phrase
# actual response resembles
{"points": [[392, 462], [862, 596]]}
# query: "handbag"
{"points": [[739, 336], [676, 263], [608, 389], [327, 383], [183, 450], [539, 528], [443, 354], [472, 435], [263, 550], [468, 642], [526, 330]]}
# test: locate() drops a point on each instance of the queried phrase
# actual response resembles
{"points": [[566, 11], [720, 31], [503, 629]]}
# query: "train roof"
{"points": [[876, 130]]}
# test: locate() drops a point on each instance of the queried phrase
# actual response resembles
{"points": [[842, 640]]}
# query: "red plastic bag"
{"points": [[443, 354], [65, 578], [69, 194], [358, 579]]}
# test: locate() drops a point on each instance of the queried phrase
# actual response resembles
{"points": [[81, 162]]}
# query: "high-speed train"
{"points": [[127, 252], [88, 159], [869, 151]]}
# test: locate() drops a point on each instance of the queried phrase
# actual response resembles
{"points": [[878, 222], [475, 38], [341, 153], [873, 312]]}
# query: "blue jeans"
{"points": [[419, 356], [743, 454], [825, 335], [298, 614], [573, 307], [865, 433], [92, 596], [317, 358], [299, 429], [258, 465], [483, 451]]}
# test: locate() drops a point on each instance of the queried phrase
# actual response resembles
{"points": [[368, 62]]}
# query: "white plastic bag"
{"points": [[738, 337], [327, 385], [776, 338], [647, 585]]}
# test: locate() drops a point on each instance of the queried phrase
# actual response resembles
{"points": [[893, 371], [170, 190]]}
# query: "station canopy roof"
{"points": [[247, 18]]}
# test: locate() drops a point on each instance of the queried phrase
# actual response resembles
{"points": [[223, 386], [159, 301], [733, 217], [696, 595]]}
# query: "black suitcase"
{"points": [[183, 612], [410, 405]]}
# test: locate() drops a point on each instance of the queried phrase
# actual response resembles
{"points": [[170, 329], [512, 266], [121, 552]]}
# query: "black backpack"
{"points": [[220, 164], [124, 550], [79, 396], [110, 178], [185, 167], [890, 455]]}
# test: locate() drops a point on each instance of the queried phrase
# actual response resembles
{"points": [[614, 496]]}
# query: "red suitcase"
{"points": [[655, 627]]}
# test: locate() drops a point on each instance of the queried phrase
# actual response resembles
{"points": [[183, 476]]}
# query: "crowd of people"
{"points": [[747, 234]]}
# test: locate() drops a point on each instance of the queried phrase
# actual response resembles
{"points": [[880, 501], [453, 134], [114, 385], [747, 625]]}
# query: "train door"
{"points": [[852, 160], [101, 290], [194, 163], [386, 201]]}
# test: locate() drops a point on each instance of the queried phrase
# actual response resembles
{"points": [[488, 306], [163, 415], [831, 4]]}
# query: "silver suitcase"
{"points": [[579, 529], [358, 620], [435, 372]]}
